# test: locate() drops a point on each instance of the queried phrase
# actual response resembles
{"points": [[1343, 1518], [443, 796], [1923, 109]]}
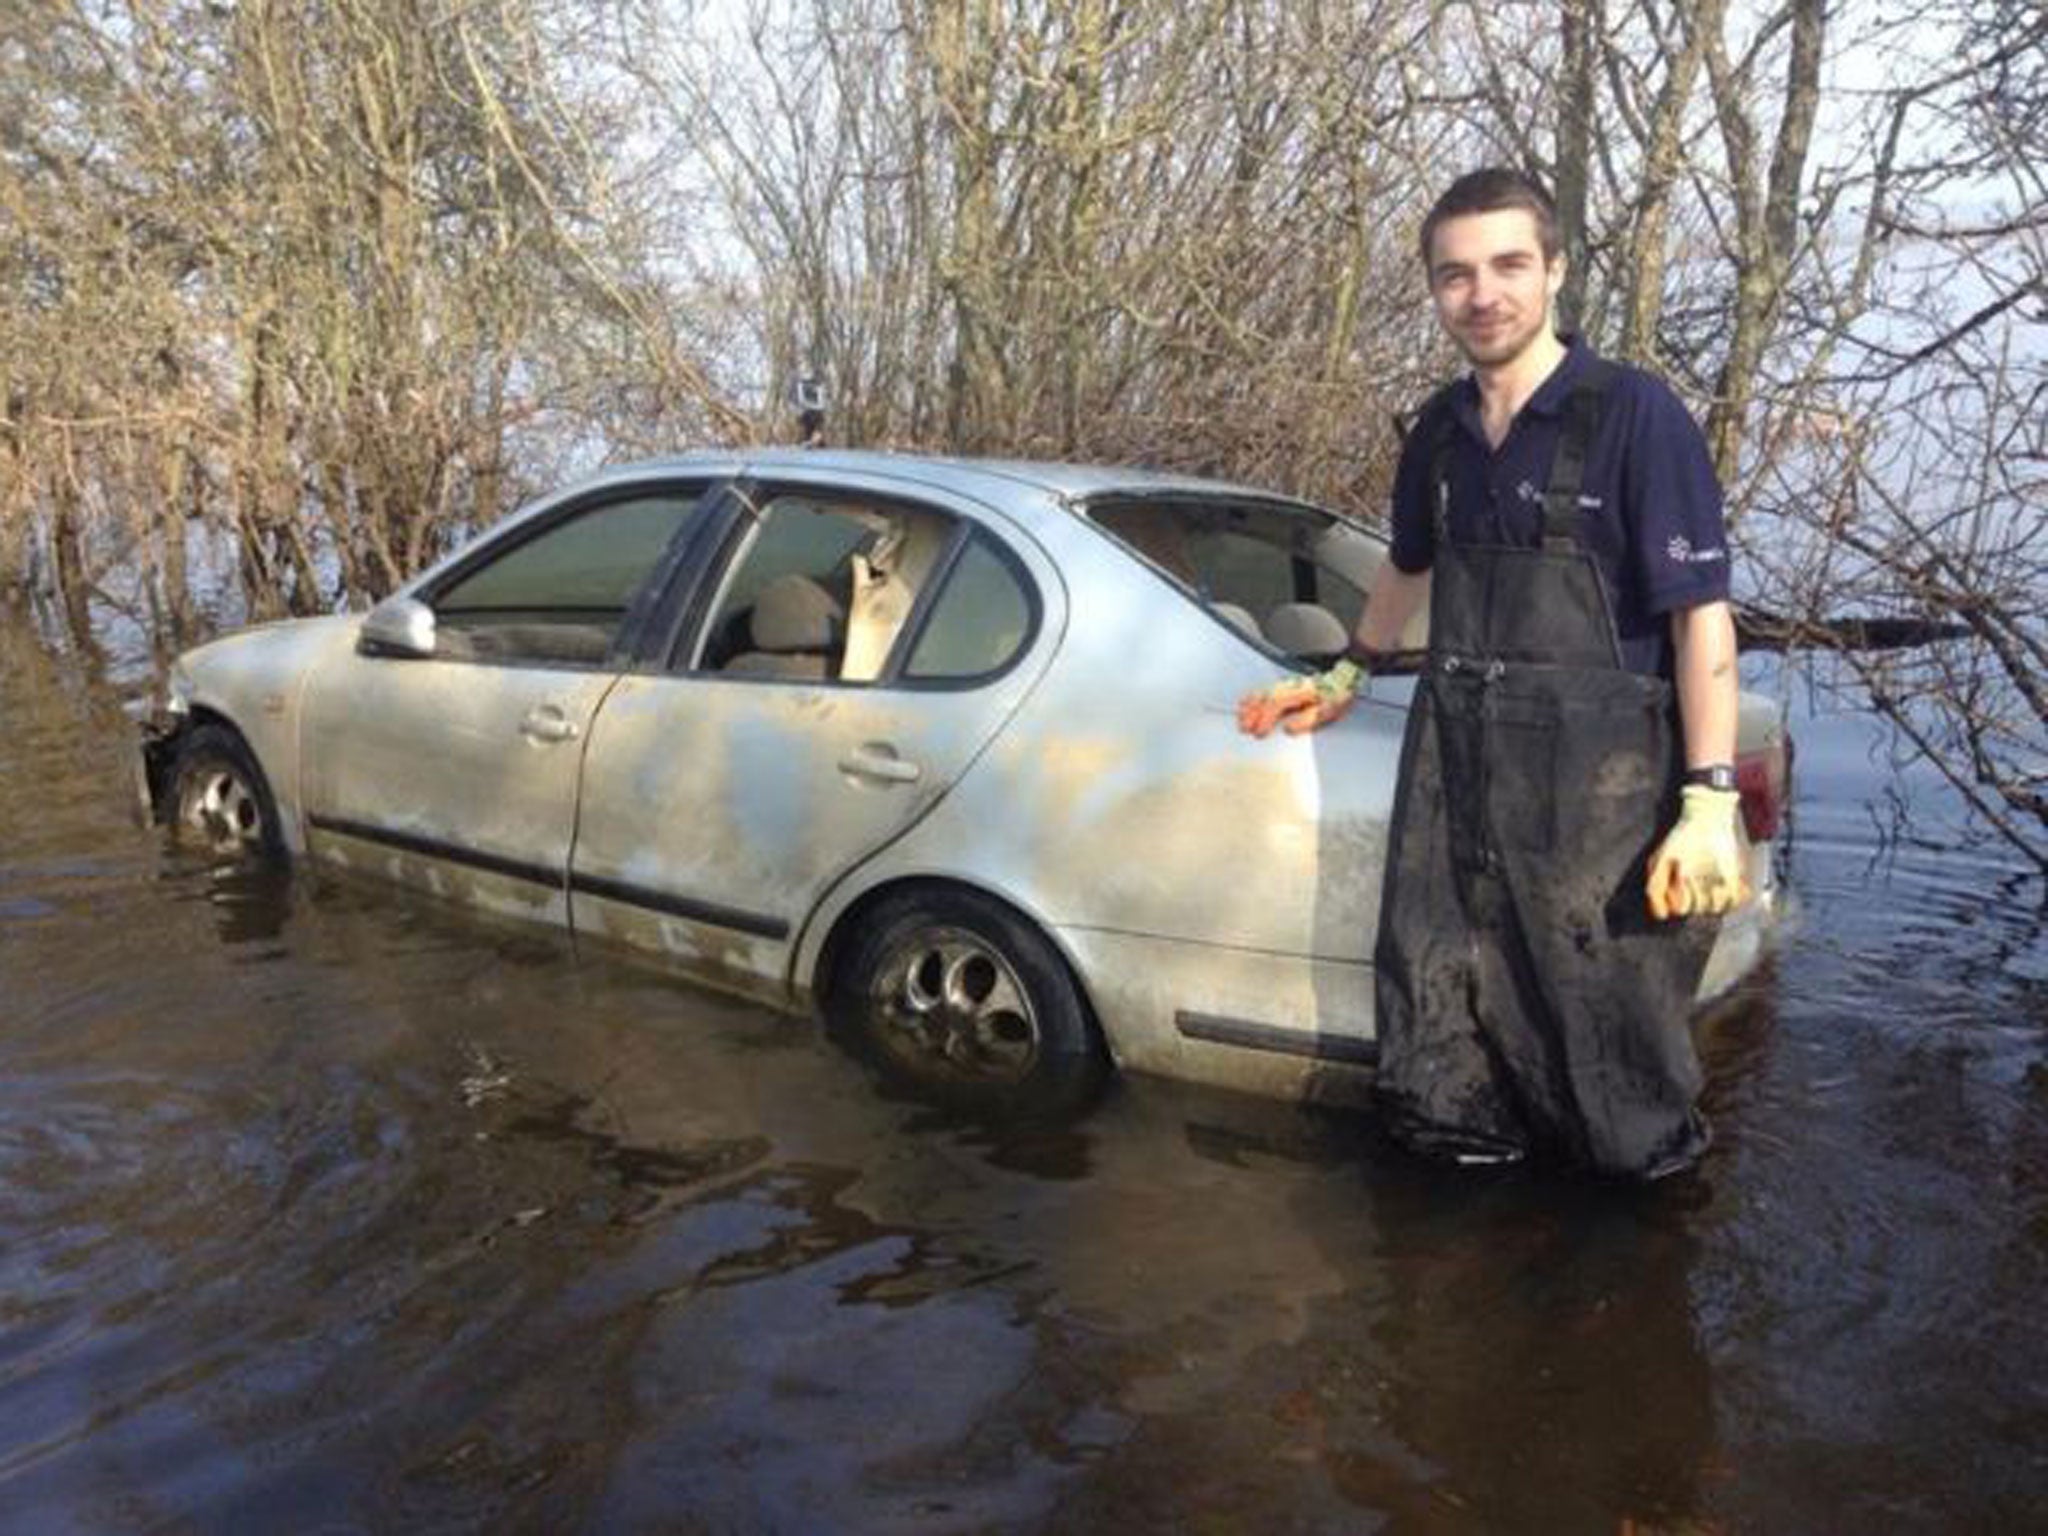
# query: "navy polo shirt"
{"points": [[1652, 507]]}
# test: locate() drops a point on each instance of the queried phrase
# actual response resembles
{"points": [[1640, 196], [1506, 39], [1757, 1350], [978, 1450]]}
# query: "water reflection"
{"points": [[1538, 1346], [248, 903]]}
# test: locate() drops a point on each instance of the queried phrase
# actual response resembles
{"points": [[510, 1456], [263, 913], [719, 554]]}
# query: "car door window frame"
{"points": [[935, 589], [692, 582], [629, 638]]}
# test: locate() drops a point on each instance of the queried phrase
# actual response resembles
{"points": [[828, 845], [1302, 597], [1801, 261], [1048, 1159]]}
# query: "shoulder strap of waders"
{"points": [[1564, 522], [1437, 425]]}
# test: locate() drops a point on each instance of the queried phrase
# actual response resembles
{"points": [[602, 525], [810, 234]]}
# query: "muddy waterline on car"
{"points": [[325, 1208]]}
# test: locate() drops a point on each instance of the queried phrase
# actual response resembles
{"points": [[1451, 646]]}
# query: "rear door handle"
{"points": [[878, 760], [546, 722]]}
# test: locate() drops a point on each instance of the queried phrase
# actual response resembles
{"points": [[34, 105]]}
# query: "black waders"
{"points": [[1528, 1004]]}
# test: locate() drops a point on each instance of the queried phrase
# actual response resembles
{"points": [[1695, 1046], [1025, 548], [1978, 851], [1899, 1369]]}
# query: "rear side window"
{"points": [[561, 595], [1290, 576], [980, 621]]}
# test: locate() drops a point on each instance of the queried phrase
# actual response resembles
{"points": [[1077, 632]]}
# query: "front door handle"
{"points": [[546, 722], [878, 760]]}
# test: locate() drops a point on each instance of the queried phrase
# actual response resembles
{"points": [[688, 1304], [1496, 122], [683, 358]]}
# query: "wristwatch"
{"points": [[1713, 776]]}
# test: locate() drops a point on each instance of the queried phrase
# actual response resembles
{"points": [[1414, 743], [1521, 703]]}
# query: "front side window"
{"points": [[823, 589], [560, 596]]}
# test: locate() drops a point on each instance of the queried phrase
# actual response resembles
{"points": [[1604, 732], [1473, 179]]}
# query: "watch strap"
{"points": [[1713, 775]]}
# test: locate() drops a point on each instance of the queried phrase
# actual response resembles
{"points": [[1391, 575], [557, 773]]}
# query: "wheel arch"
{"points": [[278, 843], [206, 714], [858, 911]]}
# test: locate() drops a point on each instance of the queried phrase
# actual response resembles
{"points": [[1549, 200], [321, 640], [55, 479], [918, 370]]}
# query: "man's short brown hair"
{"points": [[1489, 191]]}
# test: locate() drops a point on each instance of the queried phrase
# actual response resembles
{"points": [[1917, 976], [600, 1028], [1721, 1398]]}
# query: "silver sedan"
{"points": [[944, 750]]}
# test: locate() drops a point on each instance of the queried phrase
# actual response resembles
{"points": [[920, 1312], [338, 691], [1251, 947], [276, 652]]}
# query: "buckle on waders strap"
{"points": [[1490, 671]]}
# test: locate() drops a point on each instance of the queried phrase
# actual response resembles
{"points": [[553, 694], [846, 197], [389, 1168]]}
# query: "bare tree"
{"points": [[287, 274], [1099, 228]]}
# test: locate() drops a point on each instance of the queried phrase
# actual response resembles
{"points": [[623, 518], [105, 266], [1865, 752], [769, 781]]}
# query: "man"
{"points": [[1540, 945]]}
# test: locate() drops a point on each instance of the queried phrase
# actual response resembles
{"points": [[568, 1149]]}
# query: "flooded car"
{"points": [[944, 750]]}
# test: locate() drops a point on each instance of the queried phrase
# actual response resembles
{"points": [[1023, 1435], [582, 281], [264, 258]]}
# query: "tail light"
{"points": [[1762, 779]]}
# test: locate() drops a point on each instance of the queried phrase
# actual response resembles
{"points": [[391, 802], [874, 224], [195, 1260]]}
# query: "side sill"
{"points": [[1213, 1029]]}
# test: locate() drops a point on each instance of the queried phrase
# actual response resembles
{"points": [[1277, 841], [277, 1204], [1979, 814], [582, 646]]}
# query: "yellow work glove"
{"points": [[1699, 867], [1301, 703]]}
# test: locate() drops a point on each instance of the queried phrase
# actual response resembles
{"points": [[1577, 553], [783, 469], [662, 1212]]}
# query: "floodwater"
{"points": [[326, 1210]]}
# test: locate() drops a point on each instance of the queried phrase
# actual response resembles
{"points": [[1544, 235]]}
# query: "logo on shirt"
{"points": [[1528, 492], [1681, 550]]}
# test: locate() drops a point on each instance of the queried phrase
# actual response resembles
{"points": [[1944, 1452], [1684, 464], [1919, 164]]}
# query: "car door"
{"points": [[457, 771], [858, 649]]}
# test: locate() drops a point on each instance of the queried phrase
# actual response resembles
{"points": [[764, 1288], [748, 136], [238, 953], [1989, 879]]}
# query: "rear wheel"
{"points": [[218, 799], [959, 999]]}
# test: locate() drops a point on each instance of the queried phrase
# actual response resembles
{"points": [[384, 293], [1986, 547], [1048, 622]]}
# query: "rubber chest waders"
{"points": [[1528, 1004]]}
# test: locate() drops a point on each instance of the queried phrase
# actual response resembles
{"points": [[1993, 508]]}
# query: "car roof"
{"points": [[996, 478]]}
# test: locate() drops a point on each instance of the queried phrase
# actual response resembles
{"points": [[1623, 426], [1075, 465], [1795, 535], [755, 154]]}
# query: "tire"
{"points": [[958, 999], [218, 801]]}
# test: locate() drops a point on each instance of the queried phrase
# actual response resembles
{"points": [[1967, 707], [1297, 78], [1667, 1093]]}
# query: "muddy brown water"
{"points": [[322, 1209]]}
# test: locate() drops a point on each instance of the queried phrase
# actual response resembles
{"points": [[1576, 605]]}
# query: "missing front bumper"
{"points": [[156, 752]]}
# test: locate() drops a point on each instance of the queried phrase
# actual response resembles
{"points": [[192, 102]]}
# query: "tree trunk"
{"points": [[1574, 156], [960, 46], [1768, 226], [74, 586], [181, 496], [15, 501], [1643, 275]]}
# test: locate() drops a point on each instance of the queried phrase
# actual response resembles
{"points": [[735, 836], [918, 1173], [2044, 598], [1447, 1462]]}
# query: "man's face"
{"points": [[1491, 285]]}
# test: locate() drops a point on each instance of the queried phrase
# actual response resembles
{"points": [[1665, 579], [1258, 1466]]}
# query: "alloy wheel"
{"points": [[220, 805], [946, 1000]]}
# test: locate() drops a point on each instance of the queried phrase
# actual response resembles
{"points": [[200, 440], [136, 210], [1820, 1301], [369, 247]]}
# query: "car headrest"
{"points": [[1239, 619], [794, 613], [1306, 629]]}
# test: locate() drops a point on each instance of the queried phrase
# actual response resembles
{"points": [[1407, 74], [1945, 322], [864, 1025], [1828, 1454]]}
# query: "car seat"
{"points": [[798, 629], [1306, 629], [1239, 619]]}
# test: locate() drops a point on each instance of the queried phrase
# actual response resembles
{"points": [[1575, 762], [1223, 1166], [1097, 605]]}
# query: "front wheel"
{"points": [[959, 999], [218, 799]]}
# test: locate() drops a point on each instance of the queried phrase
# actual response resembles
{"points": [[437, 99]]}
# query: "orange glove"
{"points": [[1301, 704], [1698, 868]]}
